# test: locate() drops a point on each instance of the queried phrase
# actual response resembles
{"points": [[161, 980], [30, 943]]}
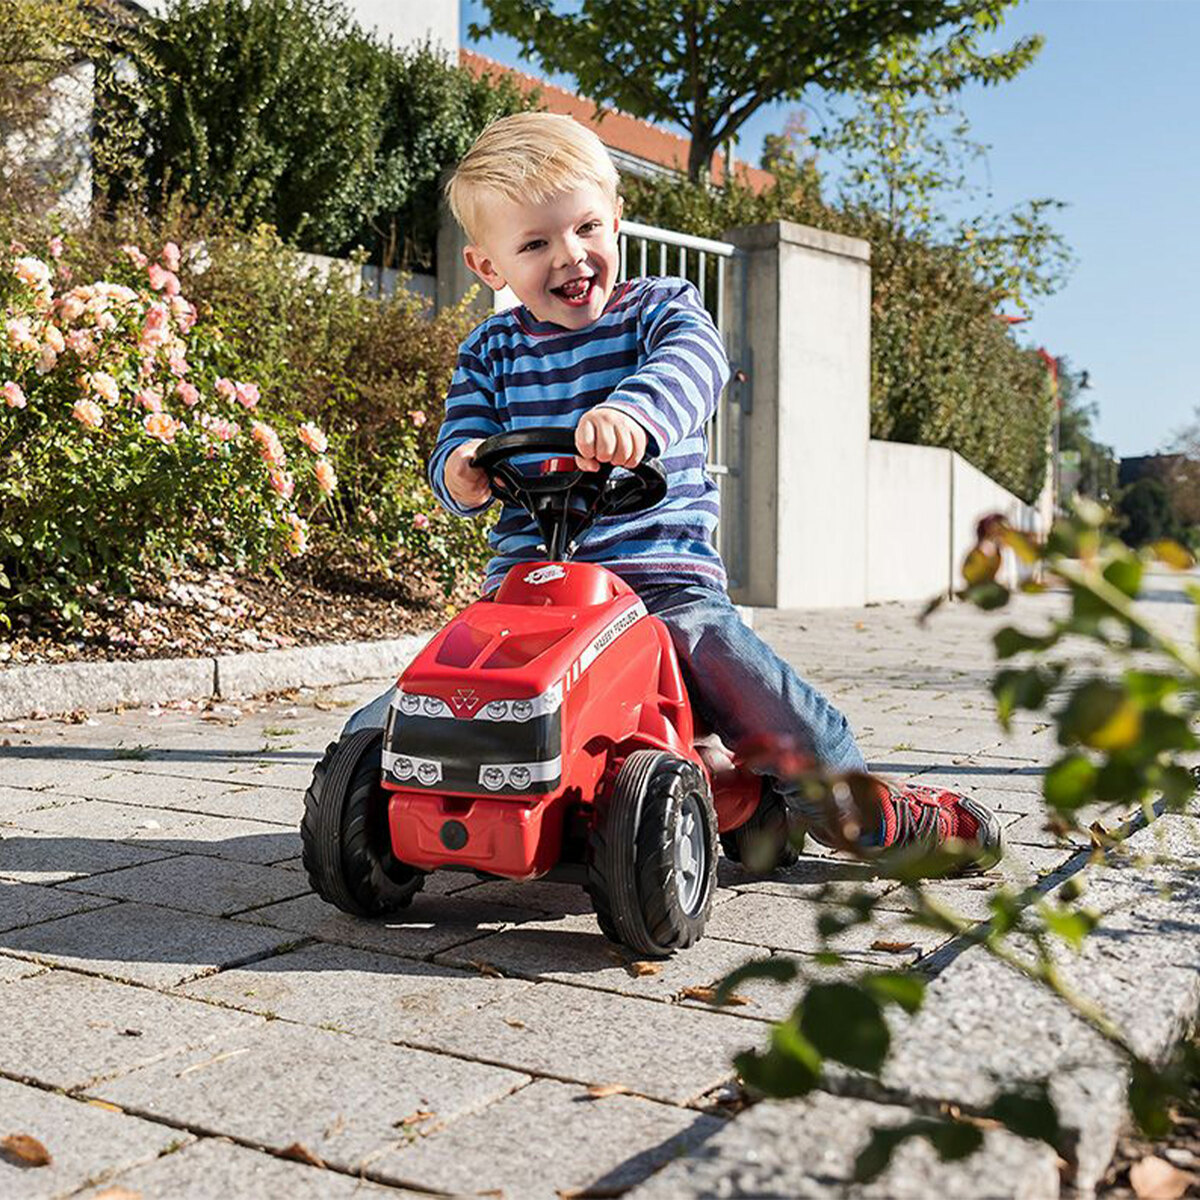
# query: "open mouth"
{"points": [[575, 292]]}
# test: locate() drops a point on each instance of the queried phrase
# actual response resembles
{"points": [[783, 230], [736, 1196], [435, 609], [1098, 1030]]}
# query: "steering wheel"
{"points": [[563, 499]]}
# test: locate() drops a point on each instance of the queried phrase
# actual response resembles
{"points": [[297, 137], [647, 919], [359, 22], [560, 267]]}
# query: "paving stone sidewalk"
{"points": [[183, 1017]]}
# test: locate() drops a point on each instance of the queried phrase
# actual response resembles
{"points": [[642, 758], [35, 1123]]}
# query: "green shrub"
{"points": [[944, 370], [285, 112]]}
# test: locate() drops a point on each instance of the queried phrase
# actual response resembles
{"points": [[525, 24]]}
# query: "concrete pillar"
{"points": [[807, 331]]}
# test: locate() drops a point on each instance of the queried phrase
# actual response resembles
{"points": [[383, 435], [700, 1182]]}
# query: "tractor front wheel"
{"points": [[345, 836], [653, 855]]}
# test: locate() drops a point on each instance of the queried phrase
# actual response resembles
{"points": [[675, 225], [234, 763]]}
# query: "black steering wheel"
{"points": [[565, 500]]}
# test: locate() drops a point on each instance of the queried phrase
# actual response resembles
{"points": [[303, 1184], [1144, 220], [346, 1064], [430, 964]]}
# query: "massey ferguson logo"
{"points": [[465, 700], [545, 574]]}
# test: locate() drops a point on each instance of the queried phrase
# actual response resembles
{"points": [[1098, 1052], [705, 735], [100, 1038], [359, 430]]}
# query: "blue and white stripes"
{"points": [[654, 354]]}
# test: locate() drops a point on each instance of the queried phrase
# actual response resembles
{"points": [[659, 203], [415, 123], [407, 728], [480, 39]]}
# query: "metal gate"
{"points": [[718, 271]]}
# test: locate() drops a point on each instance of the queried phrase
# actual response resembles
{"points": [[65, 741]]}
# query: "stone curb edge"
{"points": [[97, 686]]}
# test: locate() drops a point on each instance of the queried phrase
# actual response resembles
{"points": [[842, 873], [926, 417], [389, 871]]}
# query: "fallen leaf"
{"points": [[208, 1062], [486, 968], [598, 1091], [892, 947], [117, 1193], [24, 1150], [104, 1104], [130, 1032], [514, 1022], [638, 969], [708, 995], [1155, 1179], [415, 1118], [299, 1152]]}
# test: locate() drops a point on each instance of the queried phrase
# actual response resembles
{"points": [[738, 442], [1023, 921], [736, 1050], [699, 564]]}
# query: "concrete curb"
{"points": [[94, 687]]}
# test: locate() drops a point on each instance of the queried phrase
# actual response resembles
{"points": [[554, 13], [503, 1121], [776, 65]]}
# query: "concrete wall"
{"points": [[908, 521], [808, 297]]}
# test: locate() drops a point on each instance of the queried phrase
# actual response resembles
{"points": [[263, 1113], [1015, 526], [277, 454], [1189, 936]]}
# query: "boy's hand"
{"points": [[468, 485], [607, 435]]}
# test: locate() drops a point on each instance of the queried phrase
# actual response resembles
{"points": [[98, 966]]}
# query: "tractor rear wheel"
{"points": [[345, 836], [652, 865]]}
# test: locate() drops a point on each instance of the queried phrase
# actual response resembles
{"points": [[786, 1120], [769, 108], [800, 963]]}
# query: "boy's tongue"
{"points": [[575, 291]]}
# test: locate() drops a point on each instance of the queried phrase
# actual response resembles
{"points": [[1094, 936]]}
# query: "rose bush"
{"points": [[130, 438]]}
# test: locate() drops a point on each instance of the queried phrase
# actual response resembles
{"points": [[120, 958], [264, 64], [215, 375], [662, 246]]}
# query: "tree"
{"points": [[1097, 463], [710, 65], [1148, 515], [1182, 478]]}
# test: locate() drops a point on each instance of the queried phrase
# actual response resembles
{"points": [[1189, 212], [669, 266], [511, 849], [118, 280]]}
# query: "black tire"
{"points": [[763, 843], [344, 833], [643, 891]]}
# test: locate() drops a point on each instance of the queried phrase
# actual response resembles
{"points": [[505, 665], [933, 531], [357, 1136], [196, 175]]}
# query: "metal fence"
{"points": [[718, 272]]}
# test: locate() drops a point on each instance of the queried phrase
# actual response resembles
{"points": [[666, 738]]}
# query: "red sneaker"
{"points": [[931, 817]]}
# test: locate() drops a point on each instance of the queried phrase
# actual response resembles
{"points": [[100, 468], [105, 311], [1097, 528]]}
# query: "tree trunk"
{"points": [[700, 154]]}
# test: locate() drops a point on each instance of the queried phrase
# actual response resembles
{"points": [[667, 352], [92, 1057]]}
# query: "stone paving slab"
{"points": [[26, 904], [141, 943], [805, 1150], [432, 923], [19, 800], [87, 1144], [27, 857], [65, 1030], [12, 970], [344, 1098], [198, 884], [670, 1053], [214, 1168], [353, 991], [581, 1144], [166, 831]]}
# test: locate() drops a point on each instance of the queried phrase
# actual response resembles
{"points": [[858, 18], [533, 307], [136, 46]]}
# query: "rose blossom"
{"points": [[189, 394], [178, 364], [33, 272], [162, 280], [162, 426], [105, 386], [46, 360], [417, 417], [270, 447], [55, 245], [248, 395], [54, 338], [89, 413], [20, 335], [219, 428], [150, 399], [420, 521], [298, 538], [313, 438], [80, 341], [13, 396], [282, 482], [71, 307], [184, 313], [134, 255], [154, 328], [170, 256], [226, 388], [326, 477]]}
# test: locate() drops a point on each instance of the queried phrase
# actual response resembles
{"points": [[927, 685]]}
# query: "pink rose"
{"points": [[420, 521], [88, 413], [134, 255], [226, 388], [187, 393], [282, 482], [417, 417], [32, 272], [161, 426], [247, 395], [298, 534], [46, 360], [269, 445], [55, 245], [313, 438], [178, 365], [80, 342], [162, 280], [13, 396], [105, 386], [170, 256], [150, 399], [71, 307], [54, 338], [326, 477], [184, 313]]}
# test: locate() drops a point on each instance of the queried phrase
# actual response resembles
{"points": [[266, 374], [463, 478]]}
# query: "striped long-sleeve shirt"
{"points": [[653, 353]]}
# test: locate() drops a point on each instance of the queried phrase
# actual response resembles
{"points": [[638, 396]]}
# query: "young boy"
{"points": [[635, 369]]}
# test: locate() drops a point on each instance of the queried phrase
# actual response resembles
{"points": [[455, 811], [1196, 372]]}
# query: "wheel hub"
{"points": [[691, 856]]}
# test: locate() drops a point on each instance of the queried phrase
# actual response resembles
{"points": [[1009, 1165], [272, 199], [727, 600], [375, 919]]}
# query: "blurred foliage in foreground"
{"points": [[1124, 716]]}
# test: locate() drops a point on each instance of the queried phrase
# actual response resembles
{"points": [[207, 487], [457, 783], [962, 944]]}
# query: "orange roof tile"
{"points": [[615, 129]]}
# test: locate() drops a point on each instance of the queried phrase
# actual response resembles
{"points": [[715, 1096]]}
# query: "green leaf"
{"points": [[1102, 715], [846, 1024], [1070, 924], [1172, 554], [1069, 783], [987, 596], [781, 970], [791, 1067], [1029, 1113], [1010, 640], [1150, 1098], [895, 987], [1125, 574]]}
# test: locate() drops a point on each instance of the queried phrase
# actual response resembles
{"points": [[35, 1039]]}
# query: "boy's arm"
{"points": [[470, 415], [674, 391]]}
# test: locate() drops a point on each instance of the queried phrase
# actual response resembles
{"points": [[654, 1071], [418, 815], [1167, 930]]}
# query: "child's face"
{"points": [[560, 258]]}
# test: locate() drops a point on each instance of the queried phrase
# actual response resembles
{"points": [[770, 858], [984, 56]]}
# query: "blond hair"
{"points": [[530, 156]]}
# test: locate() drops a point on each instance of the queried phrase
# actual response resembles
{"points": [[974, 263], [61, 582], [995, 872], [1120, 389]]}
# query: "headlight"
{"points": [[493, 778], [432, 706], [427, 772], [404, 768], [498, 710], [522, 710], [409, 705], [520, 777]]}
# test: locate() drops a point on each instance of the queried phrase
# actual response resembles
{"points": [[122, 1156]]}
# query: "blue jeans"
{"points": [[739, 687]]}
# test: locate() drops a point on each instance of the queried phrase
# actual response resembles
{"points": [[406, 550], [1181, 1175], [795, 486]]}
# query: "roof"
{"points": [[632, 141]]}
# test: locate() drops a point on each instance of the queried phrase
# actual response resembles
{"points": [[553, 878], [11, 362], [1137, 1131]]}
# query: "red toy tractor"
{"points": [[544, 733]]}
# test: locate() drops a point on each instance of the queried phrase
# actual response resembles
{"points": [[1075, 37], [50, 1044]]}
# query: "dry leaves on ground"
{"points": [[708, 995], [299, 1152], [415, 1118], [117, 1193], [486, 969], [24, 1150], [599, 1091], [892, 947], [1156, 1179], [638, 969]]}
